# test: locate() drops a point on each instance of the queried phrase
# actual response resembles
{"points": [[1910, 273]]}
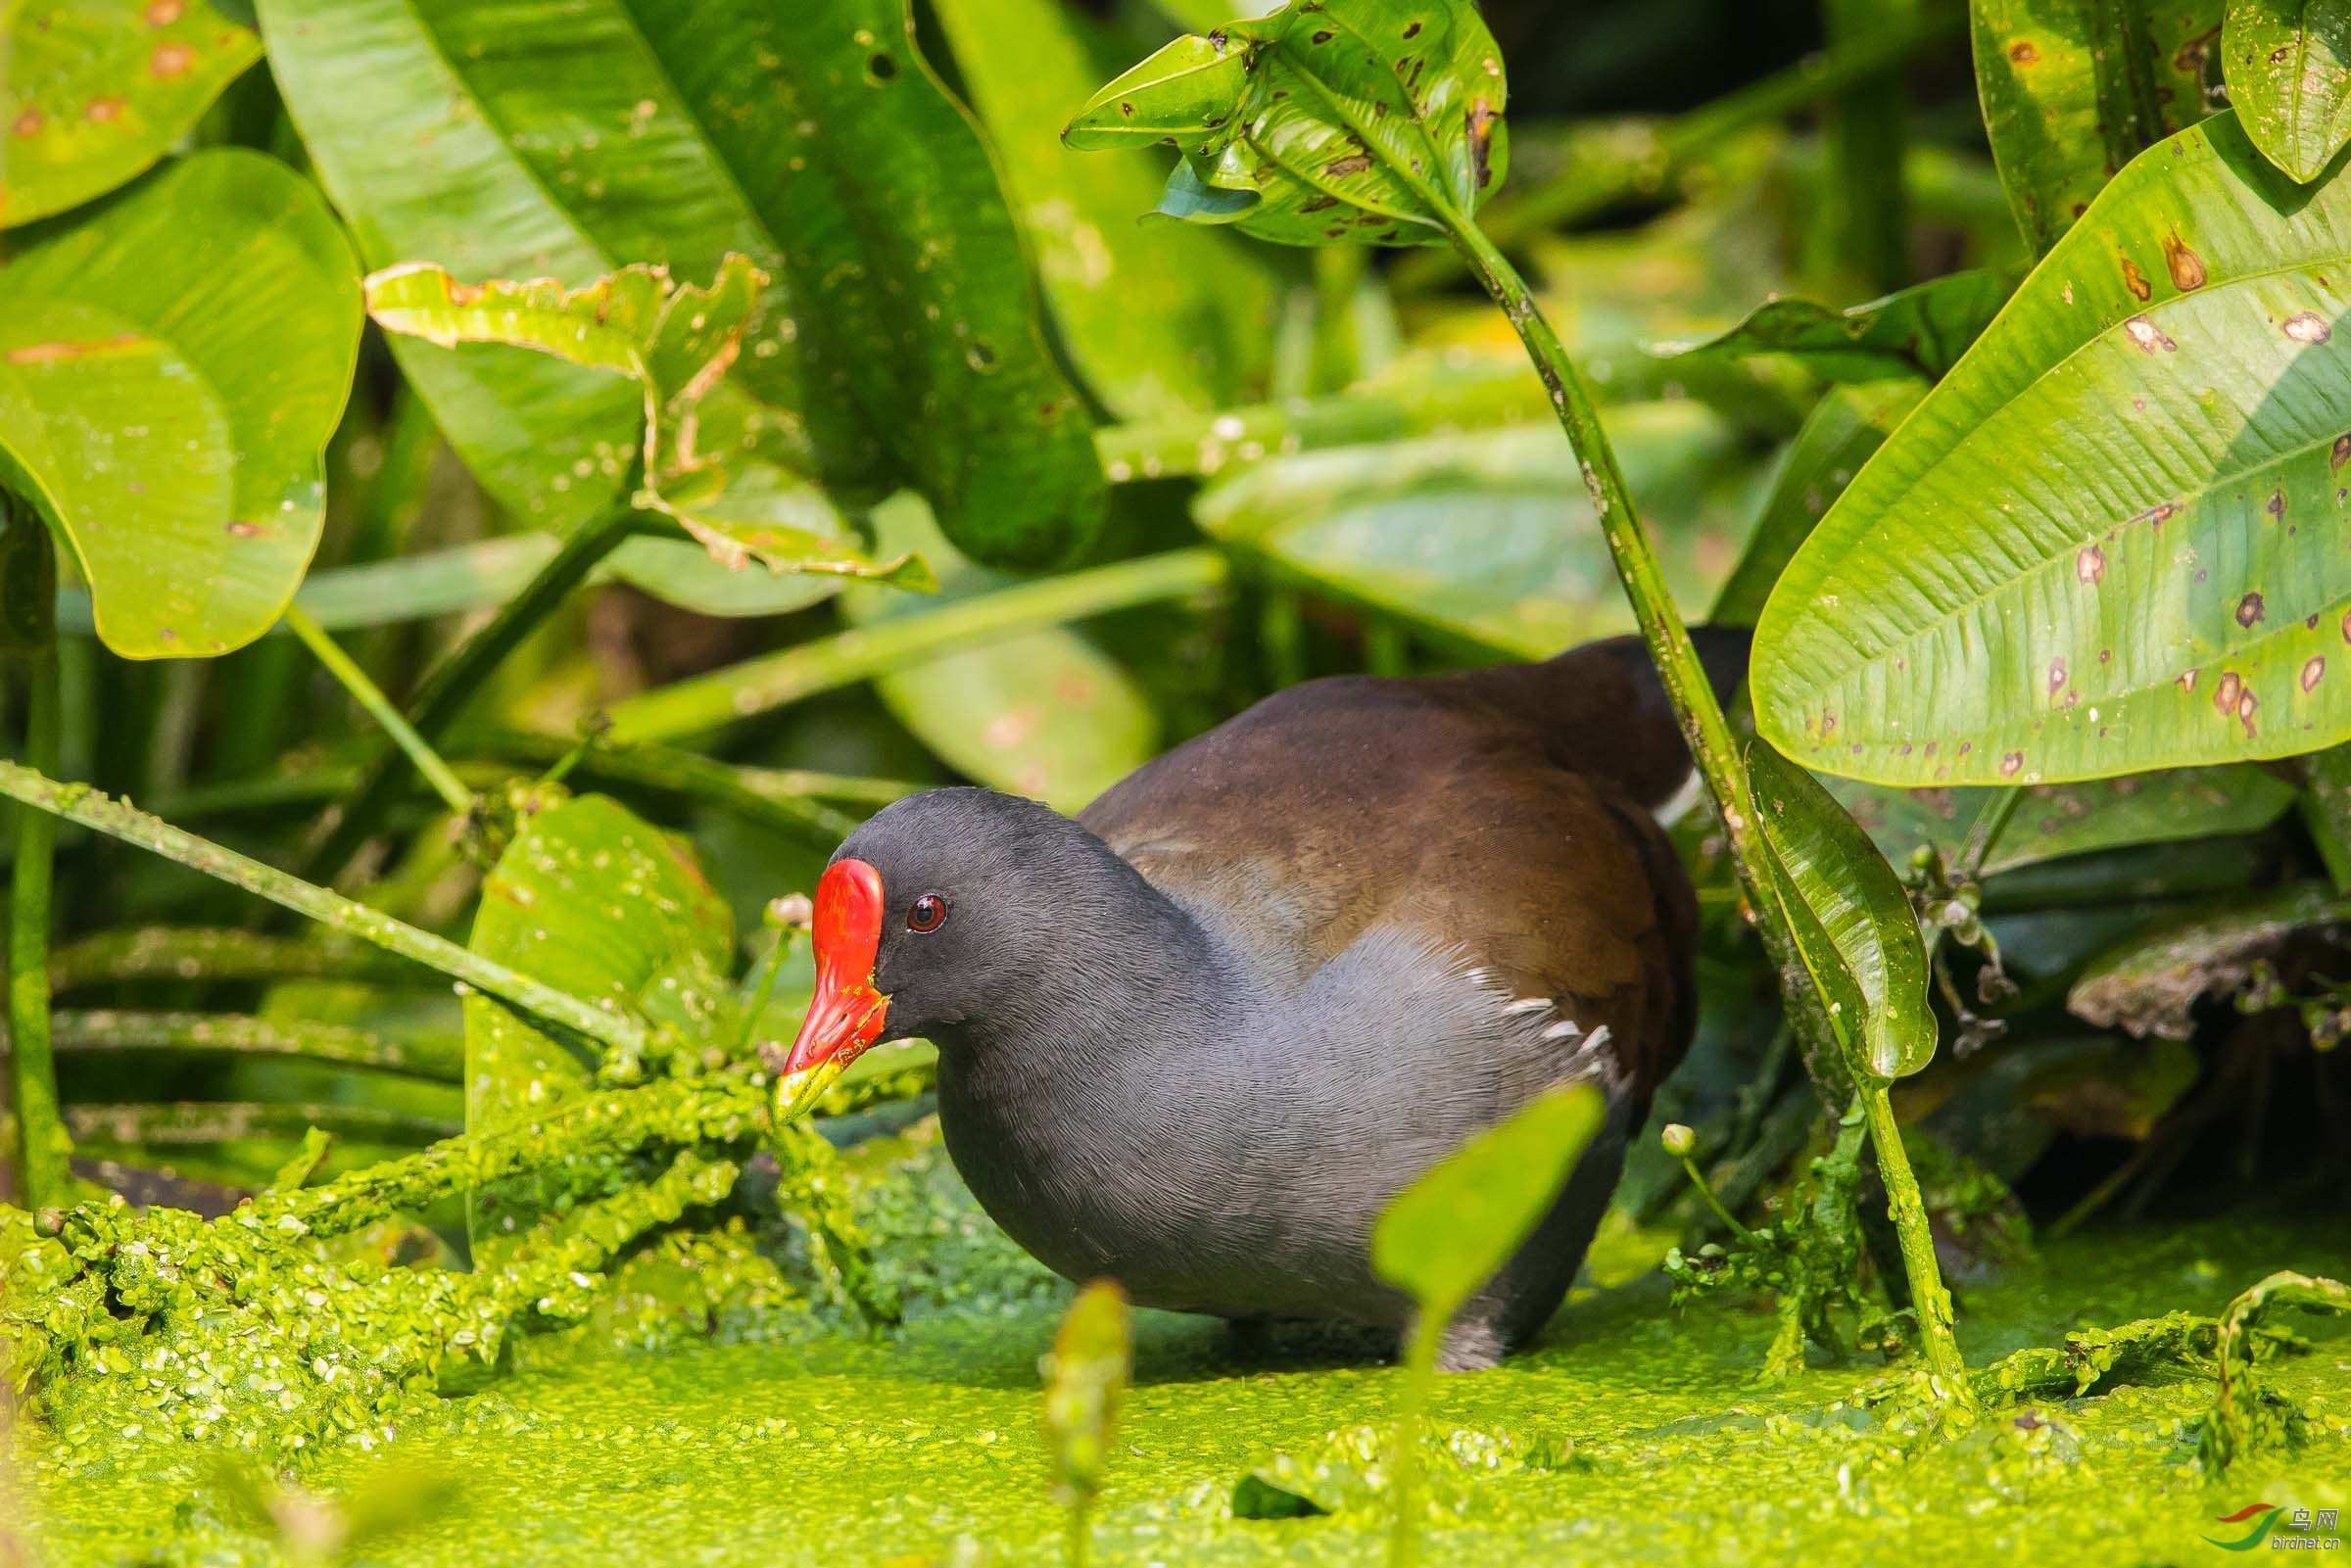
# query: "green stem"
{"points": [[769, 799], [82, 804], [370, 697], [204, 953], [1984, 836], [758, 685], [453, 682], [209, 1124], [27, 609], [1867, 213], [1690, 1168], [1404, 1445], [1711, 743], [1908, 1211], [106, 1029]]}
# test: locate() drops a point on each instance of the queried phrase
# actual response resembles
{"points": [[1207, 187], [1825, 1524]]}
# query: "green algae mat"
{"points": [[1635, 1433]]}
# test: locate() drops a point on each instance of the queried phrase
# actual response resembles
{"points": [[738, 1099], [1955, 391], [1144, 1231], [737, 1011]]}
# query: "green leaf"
{"points": [[2054, 821], [896, 343], [1158, 323], [1838, 435], [1044, 714], [1448, 1233], [2110, 541], [93, 92], [2288, 65], [592, 900], [1373, 121], [1918, 331], [1851, 920], [2072, 89], [169, 373], [675, 341], [1086, 1374], [1380, 525]]}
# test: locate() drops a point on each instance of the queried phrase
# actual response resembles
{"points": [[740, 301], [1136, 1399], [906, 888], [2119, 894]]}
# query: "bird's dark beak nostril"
{"points": [[845, 1015]]}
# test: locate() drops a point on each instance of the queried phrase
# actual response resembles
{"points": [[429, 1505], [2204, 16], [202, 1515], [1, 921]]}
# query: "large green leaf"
{"points": [[1044, 714], [1384, 525], [1156, 323], [1851, 918], [94, 92], [1376, 121], [591, 899], [2072, 89], [1444, 1236], [896, 343], [169, 373], [2111, 540], [2288, 65]]}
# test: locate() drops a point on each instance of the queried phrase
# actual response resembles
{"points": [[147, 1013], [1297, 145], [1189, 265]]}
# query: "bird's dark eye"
{"points": [[927, 913]]}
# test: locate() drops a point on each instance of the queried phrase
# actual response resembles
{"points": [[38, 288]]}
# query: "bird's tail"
{"points": [[1600, 708]]}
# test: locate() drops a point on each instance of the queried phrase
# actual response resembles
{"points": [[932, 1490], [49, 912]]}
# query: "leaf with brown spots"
{"points": [[2289, 68], [93, 94], [1392, 107], [2192, 449], [170, 370], [2073, 90]]}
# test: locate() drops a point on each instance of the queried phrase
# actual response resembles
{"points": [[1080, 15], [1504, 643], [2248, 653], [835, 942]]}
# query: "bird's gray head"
{"points": [[945, 911]]}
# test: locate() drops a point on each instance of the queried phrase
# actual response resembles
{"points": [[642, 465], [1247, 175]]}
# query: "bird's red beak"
{"points": [[845, 1014]]}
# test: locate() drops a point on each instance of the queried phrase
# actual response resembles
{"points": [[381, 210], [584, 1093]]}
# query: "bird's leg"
{"points": [[1472, 1344]]}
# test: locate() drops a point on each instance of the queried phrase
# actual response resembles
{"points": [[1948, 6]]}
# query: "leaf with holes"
{"points": [[1851, 921], [896, 343], [676, 341], [170, 370], [93, 92], [2288, 65], [591, 899], [2111, 540], [1919, 331], [2072, 89], [1377, 121]]}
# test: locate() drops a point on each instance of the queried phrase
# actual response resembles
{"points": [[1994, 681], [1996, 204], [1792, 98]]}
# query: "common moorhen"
{"points": [[1197, 1038]]}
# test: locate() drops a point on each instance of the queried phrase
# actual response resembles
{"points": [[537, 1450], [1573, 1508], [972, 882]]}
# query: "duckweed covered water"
{"points": [[1634, 1433]]}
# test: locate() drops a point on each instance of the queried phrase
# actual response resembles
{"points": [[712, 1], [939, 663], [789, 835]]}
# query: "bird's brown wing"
{"points": [[1442, 808]]}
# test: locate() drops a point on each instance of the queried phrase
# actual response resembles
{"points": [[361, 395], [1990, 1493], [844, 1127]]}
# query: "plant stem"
{"points": [[453, 682], [437, 1060], [1718, 762], [208, 1123], [370, 697], [1984, 836], [1866, 208], [118, 819], [27, 608], [712, 701], [189, 953], [1908, 1211], [1404, 1445]]}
